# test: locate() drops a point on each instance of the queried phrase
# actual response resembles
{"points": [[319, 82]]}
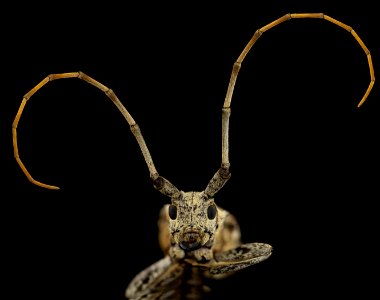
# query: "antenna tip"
{"points": [[46, 186]]}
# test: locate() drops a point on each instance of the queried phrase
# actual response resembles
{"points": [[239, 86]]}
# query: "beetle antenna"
{"points": [[160, 183], [221, 177]]}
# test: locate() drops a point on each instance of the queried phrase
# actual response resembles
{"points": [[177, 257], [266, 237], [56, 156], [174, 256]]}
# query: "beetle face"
{"points": [[192, 220]]}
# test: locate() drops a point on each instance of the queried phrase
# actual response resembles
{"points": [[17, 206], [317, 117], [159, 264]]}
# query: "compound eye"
{"points": [[211, 211], [172, 211]]}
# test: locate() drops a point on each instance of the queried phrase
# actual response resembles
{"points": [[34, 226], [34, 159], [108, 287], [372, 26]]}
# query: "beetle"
{"points": [[199, 239]]}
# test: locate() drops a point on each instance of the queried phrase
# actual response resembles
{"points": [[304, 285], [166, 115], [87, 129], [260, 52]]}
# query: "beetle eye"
{"points": [[172, 211], [211, 211]]}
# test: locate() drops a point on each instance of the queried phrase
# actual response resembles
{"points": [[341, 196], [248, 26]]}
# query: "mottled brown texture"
{"points": [[184, 274]]}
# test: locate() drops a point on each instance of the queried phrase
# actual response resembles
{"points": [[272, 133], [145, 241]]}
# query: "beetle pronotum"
{"points": [[199, 239]]}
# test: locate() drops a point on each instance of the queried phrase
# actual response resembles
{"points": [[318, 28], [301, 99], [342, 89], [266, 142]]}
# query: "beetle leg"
{"points": [[155, 281], [227, 262], [238, 258]]}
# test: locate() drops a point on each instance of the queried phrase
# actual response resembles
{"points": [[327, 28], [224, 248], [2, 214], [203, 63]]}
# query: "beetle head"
{"points": [[193, 220]]}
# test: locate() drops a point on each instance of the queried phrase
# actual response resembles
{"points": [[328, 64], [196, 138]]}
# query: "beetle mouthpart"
{"points": [[190, 246], [190, 241]]}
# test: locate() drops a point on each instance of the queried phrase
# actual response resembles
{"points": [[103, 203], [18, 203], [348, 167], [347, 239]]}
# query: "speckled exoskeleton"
{"points": [[199, 239]]}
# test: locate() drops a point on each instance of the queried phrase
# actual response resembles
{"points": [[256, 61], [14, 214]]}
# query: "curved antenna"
{"points": [[218, 181], [160, 183]]}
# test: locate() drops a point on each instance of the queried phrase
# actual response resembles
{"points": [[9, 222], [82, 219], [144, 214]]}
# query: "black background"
{"points": [[304, 158]]}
